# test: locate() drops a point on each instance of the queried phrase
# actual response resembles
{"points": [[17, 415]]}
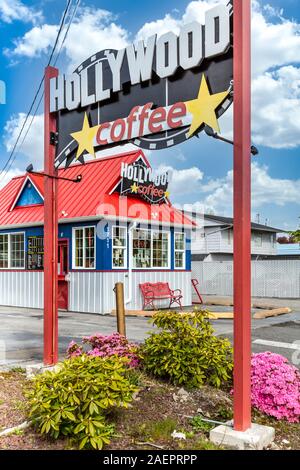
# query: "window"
{"points": [[150, 249], [258, 240], [228, 236], [17, 250], [179, 242], [119, 244], [3, 251], [160, 249], [84, 247], [12, 253]]}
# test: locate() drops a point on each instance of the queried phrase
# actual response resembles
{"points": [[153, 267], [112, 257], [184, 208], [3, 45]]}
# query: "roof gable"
{"points": [[29, 194]]}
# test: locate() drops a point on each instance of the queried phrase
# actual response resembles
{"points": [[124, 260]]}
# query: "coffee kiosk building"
{"points": [[103, 237]]}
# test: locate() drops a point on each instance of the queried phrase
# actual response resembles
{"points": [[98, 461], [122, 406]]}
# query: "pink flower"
{"points": [[275, 386], [106, 345]]}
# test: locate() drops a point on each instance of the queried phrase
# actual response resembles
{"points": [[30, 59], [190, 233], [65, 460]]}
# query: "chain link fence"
{"points": [[271, 278]]}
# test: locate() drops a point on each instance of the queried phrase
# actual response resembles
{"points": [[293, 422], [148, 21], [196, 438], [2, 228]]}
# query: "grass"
{"points": [[155, 430], [150, 419], [200, 425]]}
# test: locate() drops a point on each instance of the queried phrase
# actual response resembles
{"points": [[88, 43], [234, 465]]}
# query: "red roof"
{"points": [[89, 199]]}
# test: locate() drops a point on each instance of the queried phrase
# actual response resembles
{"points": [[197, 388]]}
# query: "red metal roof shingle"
{"points": [[87, 199]]}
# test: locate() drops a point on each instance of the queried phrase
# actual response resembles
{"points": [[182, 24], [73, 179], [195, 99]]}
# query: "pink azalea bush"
{"points": [[275, 386], [104, 346]]}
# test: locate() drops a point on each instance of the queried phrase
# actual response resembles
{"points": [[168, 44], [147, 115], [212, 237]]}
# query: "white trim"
{"points": [[180, 251], [21, 190], [82, 268], [9, 267], [95, 218], [154, 268], [125, 248]]}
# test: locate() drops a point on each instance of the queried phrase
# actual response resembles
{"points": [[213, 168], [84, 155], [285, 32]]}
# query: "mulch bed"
{"points": [[157, 410]]}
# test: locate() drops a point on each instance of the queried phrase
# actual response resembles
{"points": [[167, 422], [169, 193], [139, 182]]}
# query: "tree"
{"points": [[295, 236]]}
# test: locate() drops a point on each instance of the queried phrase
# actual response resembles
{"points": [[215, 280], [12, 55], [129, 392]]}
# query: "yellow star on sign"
{"points": [[203, 108], [134, 188], [85, 138], [167, 194]]}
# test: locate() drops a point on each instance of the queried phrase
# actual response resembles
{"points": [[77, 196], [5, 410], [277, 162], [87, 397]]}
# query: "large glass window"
{"points": [[17, 250], [179, 241], [150, 249], [119, 244], [12, 254], [160, 249], [84, 247]]}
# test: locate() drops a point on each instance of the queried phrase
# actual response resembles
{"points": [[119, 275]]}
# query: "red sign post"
{"points": [[242, 213], [50, 231]]}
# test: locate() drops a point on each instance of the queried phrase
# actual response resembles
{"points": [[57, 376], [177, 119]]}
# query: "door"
{"points": [[63, 270]]}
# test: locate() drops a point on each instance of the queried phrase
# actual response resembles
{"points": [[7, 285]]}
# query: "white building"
{"points": [[214, 241]]}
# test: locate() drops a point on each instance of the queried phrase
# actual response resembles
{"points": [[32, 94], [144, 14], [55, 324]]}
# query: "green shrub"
{"points": [[75, 400], [186, 351]]}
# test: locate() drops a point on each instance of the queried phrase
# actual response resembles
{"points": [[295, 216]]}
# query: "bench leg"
{"points": [[148, 302], [175, 301]]}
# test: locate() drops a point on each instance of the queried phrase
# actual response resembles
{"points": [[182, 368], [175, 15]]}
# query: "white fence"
{"points": [[274, 278]]}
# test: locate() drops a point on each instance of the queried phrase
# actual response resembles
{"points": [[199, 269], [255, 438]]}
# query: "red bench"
{"points": [[158, 291]]}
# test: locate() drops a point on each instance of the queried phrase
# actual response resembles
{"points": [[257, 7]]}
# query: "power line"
{"points": [[67, 30], [11, 156], [42, 96]]}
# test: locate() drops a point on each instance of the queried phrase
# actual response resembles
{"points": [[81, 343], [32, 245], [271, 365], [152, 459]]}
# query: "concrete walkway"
{"points": [[21, 332]]}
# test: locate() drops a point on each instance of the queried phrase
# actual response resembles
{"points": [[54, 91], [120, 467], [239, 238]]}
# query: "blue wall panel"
{"points": [[103, 241]]}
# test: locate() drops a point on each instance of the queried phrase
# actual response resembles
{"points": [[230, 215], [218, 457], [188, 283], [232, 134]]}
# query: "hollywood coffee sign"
{"points": [[138, 179], [154, 94]]}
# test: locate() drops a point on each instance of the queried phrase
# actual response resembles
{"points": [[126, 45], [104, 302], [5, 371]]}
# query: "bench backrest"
{"points": [[158, 288]]}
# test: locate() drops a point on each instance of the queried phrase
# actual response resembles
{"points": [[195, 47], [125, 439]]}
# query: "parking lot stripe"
{"points": [[277, 344]]}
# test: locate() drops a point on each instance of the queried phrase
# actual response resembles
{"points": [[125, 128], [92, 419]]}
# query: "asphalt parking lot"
{"points": [[21, 332]]}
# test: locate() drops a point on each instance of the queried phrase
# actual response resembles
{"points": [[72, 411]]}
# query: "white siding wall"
{"points": [[216, 241], [89, 292], [274, 278], [22, 289], [93, 292]]}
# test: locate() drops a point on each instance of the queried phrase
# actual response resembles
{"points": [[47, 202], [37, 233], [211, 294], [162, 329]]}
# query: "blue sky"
{"points": [[202, 168]]}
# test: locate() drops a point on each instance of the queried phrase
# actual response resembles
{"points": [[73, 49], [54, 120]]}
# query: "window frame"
{"points": [[259, 237], [180, 251], [9, 257], [83, 268], [155, 268], [125, 248]]}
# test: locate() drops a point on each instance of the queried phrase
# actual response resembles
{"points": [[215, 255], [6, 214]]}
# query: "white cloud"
{"points": [[275, 93], [11, 10], [35, 42], [275, 41], [5, 178], [159, 27], [265, 190], [194, 11], [92, 31], [180, 181], [33, 147], [274, 44]]}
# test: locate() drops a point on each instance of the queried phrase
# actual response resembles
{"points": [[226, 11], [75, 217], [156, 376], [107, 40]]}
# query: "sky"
{"points": [[201, 168]]}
